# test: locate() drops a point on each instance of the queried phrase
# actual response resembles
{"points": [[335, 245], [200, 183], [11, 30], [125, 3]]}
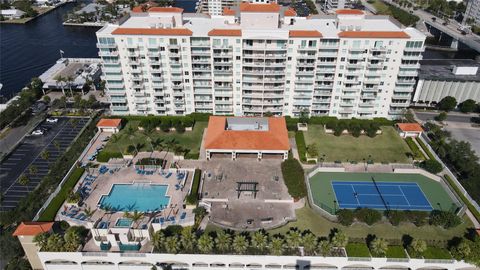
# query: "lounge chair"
{"points": [[183, 215]]}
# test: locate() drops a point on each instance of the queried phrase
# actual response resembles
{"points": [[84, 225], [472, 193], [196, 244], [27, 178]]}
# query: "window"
{"points": [[173, 41]]}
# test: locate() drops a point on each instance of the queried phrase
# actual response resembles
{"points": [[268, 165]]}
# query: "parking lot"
{"points": [[55, 140]]}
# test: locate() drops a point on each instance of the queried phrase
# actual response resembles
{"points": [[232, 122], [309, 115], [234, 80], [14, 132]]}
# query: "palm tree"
{"points": [[260, 241], [379, 247], [69, 80], [158, 238], [45, 155], [72, 240], [32, 170], [223, 241], [324, 248], [418, 246], [171, 244], [277, 246], [89, 212], [24, 181], [56, 144], [41, 240], [240, 244], [135, 216], [55, 243], [205, 243], [340, 239], [60, 79], [187, 239], [156, 144], [309, 243], [293, 239]]}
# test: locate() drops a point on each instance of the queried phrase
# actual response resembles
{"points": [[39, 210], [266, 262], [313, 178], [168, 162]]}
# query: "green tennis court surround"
{"points": [[322, 185]]}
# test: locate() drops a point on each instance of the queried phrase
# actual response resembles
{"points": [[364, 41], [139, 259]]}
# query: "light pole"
{"points": [[368, 160], [364, 164]]}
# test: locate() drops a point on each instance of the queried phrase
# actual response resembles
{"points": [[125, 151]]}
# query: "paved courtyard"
{"points": [[270, 207]]}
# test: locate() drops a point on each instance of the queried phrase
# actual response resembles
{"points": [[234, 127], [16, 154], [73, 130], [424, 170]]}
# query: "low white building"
{"points": [[441, 78], [12, 13], [109, 125]]}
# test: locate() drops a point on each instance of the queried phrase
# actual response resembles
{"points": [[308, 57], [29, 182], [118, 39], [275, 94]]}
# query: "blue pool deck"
{"points": [[382, 196], [142, 197]]}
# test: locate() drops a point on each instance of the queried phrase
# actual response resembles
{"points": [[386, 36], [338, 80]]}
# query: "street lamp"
{"points": [[364, 164], [368, 160], [334, 207]]}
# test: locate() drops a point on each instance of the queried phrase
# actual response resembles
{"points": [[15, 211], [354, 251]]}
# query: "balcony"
{"points": [[412, 57], [409, 82], [379, 49], [111, 53], [366, 104], [103, 45], [413, 66]]}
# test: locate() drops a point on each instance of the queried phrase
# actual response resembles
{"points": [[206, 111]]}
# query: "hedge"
{"points": [[470, 206], [301, 146], [192, 198], [104, 156], [424, 147], [51, 210], [293, 176], [417, 154]]}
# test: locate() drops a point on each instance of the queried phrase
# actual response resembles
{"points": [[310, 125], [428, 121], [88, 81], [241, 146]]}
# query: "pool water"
{"points": [[140, 197], [123, 222]]}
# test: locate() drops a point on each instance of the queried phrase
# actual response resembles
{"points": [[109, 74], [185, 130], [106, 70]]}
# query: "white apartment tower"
{"points": [[259, 58], [472, 13], [217, 7], [337, 4]]}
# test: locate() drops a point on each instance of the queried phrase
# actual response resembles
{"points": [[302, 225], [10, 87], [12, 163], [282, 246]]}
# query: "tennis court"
{"points": [[380, 195], [332, 191]]}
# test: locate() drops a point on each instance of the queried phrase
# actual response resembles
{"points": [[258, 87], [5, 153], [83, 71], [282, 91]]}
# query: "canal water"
{"points": [[28, 50]]}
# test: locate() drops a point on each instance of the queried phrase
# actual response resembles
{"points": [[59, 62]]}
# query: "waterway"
{"points": [[29, 49]]}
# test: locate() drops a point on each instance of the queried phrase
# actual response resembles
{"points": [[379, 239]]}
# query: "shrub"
{"points": [[104, 156], [354, 129], [417, 154], [339, 128], [166, 125], [312, 150], [293, 176], [179, 127], [345, 217], [396, 217], [372, 130], [368, 215], [467, 106], [419, 218], [188, 121], [192, 197], [447, 103], [444, 218], [301, 145], [431, 166], [192, 155], [441, 117]]}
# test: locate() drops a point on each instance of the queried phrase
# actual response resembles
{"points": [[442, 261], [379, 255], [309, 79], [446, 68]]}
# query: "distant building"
{"points": [[217, 7], [473, 12], [337, 4], [440, 78], [12, 13]]}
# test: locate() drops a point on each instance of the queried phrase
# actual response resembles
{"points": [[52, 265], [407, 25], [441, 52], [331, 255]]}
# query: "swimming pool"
{"points": [[140, 197]]}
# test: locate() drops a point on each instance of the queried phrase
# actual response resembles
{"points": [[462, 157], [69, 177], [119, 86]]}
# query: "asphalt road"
{"points": [[28, 153], [453, 117]]}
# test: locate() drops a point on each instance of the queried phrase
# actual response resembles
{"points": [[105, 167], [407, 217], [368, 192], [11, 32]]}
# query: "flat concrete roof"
{"points": [[441, 70]]}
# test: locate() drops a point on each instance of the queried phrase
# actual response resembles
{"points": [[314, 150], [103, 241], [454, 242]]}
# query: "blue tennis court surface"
{"points": [[383, 195]]}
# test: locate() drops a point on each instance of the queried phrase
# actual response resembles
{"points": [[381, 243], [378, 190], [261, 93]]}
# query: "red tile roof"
{"points": [[290, 12], [228, 12], [373, 34], [304, 33], [276, 138], [153, 31], [349, 12], [32, 228], [225, 32], [410, 127], [104, 122], [166, 9], [247, 7]]}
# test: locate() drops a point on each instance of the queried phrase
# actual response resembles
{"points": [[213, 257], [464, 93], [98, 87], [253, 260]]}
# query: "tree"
{"points": [[345, 217], [172, 244], [432, 166], [276, 246], [379, 247], [188, 239], [89, 212], [55, 243], [41, 240], [293, 239], [45, 155], [60, 80], [158, 238], [467, 106], [72, 239], [135, 216], [441, 117], [309, 243], [69, 80], [324, 247], [447, 104], [57, 145], [223, 241], [340, 239], [32, 170], [205, 243], [462, 250], [240, 244], [260, 241], [24, 180], [418, 246], [47, 99]]}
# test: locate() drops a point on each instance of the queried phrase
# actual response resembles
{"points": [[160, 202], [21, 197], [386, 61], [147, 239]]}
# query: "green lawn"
{"points": [[188, 140], [357, 250], [396, 252], [307, 219], [387, 147], [436, 253]]}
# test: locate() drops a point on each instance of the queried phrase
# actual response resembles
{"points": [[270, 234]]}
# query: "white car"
{"points": [[52, 120], [37, 132]]}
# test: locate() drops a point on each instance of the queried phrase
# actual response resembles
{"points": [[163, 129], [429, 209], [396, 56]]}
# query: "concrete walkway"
{"points": [[293, 146]]}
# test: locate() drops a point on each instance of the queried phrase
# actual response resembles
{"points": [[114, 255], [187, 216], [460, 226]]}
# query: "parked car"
{"points": [[37, 132], [52, 120]]}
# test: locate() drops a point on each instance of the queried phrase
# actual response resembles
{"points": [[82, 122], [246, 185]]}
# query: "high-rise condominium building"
{"points": [[259, 58], [337, 4], [472, 13], [216, 7]]}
